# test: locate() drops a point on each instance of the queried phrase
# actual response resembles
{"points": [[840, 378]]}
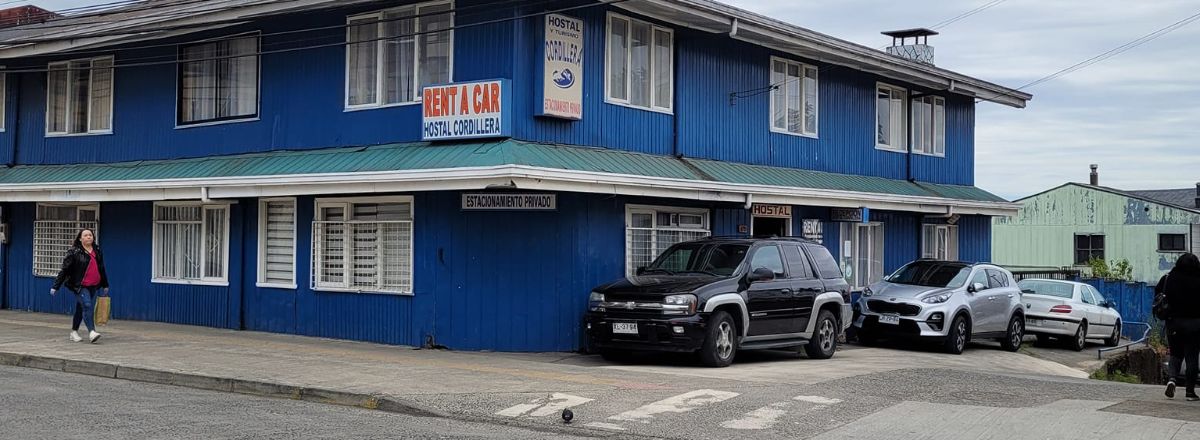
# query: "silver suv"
{"points": [[950, 302]]}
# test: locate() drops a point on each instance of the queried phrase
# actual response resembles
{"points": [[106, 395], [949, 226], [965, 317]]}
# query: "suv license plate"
{"points": [[889, 319], [625, 328]]}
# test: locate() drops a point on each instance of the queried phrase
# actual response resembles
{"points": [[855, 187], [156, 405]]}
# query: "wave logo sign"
{"points": [[564, 79]]}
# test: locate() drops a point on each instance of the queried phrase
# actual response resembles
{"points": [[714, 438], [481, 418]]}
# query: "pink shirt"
{"points": [[92, 276]]}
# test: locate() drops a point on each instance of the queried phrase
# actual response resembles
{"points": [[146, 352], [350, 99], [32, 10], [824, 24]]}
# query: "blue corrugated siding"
{"points": [[975, 238], [125, 235], [302, 97], [901, 238]]}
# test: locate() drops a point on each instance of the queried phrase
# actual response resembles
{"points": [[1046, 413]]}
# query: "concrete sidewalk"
{"points": [[517, 389]]}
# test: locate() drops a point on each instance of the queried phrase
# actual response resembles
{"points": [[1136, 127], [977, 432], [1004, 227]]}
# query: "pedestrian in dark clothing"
{"points": [[83, 274], [1182, 289]]}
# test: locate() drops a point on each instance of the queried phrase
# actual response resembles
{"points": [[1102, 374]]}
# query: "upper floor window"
{"points": [[218, 80], [929, 125], [1088, 247], [1172, 242], [793, 97], [80, 96], [640, 67], [392, 54], [890, 118]]}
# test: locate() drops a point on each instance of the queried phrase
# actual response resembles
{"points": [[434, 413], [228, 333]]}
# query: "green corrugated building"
{"points": [[1068, 225]]}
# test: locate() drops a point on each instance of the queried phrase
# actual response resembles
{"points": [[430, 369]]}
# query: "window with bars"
{"points": [[929, 125], [650, 231], [392, 54], [54, 231], [79, 96], [191, 243], [793, 97], [277, 243], [890, 118], [363, 246], [218, 81], [862, 253], [640, 64], [939, 242]]}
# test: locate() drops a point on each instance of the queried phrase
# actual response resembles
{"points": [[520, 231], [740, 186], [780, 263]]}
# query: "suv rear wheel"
{"points": [[1015, 334], [720, 344], [824, 338], [956, 339]]}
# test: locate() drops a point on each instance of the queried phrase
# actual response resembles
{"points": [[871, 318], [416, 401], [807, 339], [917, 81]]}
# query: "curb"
{"points": [[223, 384]]}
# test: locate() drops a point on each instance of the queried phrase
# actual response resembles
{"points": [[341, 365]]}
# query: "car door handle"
{"points": [[1010, 295], [991, 298], [785, 291]]}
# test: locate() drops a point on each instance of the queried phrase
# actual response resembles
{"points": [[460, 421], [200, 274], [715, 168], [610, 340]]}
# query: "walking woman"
{"points": [[83, 274], [1183, 323]]}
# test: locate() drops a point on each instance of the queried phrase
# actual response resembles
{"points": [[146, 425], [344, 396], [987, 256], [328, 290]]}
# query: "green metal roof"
{"points": [[425, 156]]}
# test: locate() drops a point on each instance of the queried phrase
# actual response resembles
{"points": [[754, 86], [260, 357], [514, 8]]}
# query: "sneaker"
{"points": [[1170, 389], [75, 336], [1192, 397], [93, 336]]}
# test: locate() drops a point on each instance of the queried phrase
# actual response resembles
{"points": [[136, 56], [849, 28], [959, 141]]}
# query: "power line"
{"points": [[320, 46], [952, 20], [76, 17], [1106, 55]]}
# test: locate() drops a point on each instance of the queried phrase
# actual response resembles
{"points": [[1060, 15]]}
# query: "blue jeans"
{"points": [[85, 310]]}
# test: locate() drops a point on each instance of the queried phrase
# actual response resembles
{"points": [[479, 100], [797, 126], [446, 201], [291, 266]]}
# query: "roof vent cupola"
{"points": [[918, 49]]}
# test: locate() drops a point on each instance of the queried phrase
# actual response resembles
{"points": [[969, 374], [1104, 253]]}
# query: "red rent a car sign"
{"points": [[466, 111]]}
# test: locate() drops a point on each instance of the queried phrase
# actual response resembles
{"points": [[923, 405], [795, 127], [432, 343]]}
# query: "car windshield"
{"points": [[931, 274], [1047, 288], [709, 258]]}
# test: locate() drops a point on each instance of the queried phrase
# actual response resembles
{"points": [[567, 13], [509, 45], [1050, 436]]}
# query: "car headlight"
{"points": [[596, 302], [867, 291], [936, 299], [679, 305]]}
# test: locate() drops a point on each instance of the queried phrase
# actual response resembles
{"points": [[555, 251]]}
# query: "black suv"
{"points": [[718, 295]]}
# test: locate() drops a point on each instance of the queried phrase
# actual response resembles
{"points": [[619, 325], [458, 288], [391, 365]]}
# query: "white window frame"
{"points": [[380, 42], [898, 128], [951, 242], [111, 102], [52, 272], [262, 242], [608, 98], [347, 204], [852, 259], [782, 88], [3, 100], [932, 126], [180, 124], [223, 280], [630, 210]]}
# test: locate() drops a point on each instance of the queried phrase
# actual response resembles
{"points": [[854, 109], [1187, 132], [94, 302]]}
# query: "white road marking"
{"points": [[545, 406], [678, 404], [603, 425], [818, 400], [761, 418]]}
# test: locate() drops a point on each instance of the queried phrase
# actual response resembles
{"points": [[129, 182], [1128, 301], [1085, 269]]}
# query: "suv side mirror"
{"points": [[761, 274], [639, 271], [976, 287]]}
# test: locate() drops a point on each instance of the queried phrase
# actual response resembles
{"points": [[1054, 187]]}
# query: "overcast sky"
{"points": [[1137, 114]]}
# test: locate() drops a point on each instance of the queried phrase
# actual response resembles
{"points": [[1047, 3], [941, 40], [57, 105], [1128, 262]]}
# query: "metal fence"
{"points": [[362, 256], [1063, 274]]}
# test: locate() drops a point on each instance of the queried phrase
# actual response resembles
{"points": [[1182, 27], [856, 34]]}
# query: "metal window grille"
{"points": [[362, 256], [644, 244], [278, 242], [190, 241], [51, 241]]}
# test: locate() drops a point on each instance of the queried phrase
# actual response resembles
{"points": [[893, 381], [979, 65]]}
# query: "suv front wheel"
{"points": [[720, 345], [956, 338]]}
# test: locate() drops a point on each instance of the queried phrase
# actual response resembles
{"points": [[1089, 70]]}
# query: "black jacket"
{"points": [[75, 265], [1183, 292]]}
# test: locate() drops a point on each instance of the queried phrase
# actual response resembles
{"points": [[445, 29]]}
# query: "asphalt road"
{"points": [[37, 404]]}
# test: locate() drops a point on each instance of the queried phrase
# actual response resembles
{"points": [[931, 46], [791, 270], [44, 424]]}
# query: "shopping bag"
{"points": [[103, 310]]}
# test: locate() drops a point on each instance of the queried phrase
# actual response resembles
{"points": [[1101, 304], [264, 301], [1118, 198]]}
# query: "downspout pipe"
{"points": [[16, 125]]}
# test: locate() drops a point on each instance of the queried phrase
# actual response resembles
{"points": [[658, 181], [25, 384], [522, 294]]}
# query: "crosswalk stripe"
{"points": [[544, 406], [818, 400], [603, 425], [677, 404], [761, 418]]}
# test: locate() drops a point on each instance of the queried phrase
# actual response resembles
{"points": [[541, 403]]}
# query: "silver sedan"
{"points": [[1070, 311]]}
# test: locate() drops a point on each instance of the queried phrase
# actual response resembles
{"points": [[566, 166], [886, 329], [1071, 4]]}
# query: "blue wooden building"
{"points": [[460, 173]]}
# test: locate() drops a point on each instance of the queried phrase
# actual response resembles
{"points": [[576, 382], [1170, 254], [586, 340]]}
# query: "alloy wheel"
{"points": [[724, 340], [827, 336], [961, 339], [1017, 333]]}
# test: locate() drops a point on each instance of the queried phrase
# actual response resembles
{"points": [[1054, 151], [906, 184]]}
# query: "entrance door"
{"points": [[770, 227]]}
